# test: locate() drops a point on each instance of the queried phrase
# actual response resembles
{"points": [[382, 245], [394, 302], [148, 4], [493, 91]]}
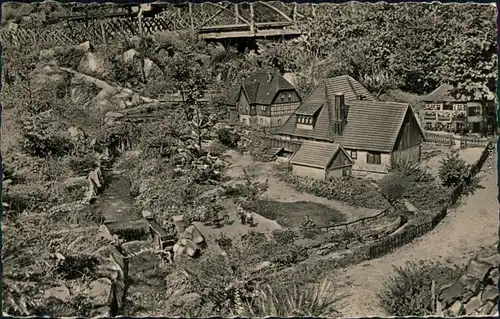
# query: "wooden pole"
{"points": [[252, 20], [237, 13], [139, 16], [103, 33], [191, 20]]}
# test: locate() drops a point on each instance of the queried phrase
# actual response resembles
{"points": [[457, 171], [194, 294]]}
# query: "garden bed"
{"points": [[292, 214]]}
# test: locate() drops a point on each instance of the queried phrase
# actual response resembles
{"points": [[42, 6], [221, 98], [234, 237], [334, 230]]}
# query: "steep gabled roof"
{"points": [[351, 89], [443, 94], [315, 103], [259, 90], [316, 154], [373, 125]]}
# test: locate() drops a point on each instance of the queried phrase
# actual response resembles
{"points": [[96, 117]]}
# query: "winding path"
{"points": [[455, 240]]}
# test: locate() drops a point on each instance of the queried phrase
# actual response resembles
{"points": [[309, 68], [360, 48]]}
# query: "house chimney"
{"points": [[339, 114]]}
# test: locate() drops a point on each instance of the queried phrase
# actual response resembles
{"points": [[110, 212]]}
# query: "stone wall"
{"points": [[106, 294], [474, 293]]}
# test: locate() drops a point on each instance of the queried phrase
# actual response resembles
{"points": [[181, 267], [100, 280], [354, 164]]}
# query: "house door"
{"points": [[476, 127]]}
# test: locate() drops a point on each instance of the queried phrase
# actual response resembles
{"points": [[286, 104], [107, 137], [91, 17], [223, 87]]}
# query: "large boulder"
{"points": [[451, 293], [61, 293], [478, 269], [92, 63], [47, 76], [101, 292]]}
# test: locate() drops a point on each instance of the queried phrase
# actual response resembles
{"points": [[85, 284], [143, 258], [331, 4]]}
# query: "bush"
{"points": [[284, 237], [408, 292], [454, 170], [228, 137], [278, 300], [354, 191]]}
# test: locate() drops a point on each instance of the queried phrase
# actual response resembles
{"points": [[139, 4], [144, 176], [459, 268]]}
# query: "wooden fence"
{"points": [[411, 232], [439, 139], [96, 30], [450, 140], [358, 221], [289, 146]]}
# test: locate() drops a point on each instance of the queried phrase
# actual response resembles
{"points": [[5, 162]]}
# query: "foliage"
{"points": [[228, 137], [411, 47], [408, 291], [394, 186], [355, 192], [454, 170], [284, 237], [294, 300]]}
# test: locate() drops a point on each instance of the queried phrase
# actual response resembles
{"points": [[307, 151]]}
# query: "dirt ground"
{"points": [[461, 235], [470, 155]]}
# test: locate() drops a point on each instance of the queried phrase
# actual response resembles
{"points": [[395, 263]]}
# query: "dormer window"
{"points": [[289, 96], [282, 96]]}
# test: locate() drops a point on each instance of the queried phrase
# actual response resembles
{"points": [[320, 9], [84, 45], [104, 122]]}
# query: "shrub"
{"points": [[454, 170], [408, 292], [284, 237], [82, 165], [354, 191], [278, 300], [228, 137], [394, 186]]}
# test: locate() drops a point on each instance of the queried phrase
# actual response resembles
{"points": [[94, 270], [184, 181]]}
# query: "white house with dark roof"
{"points": [[442, 111], [265, 99], [373, 133]]}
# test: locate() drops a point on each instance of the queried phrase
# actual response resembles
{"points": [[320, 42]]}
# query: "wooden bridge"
{"points": [[211, 21]]}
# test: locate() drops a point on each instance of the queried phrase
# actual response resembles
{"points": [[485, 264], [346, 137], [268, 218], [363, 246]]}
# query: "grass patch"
{"points": [[293, 214]]}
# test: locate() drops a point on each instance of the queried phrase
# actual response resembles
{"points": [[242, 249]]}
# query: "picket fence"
{"points": [[450, 140]]}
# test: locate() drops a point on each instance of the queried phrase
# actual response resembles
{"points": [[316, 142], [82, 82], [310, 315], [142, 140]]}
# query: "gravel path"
{"points": [[472, 226]]}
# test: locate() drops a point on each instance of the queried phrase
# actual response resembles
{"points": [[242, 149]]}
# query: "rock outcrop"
{"points": [[474, 293]]}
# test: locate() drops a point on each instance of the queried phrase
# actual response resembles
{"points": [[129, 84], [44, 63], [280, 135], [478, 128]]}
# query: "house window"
{"points": [[354, 154], [447, 107], [474, 111], [289, 96], [279, 122], [260, 120], [263, 108], [373, 158], [300, 119], [309, 120], [282, 96]]}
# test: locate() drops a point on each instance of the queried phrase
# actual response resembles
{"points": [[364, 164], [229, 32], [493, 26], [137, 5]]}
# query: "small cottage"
{"points": [[321, 160], [265, 99]]}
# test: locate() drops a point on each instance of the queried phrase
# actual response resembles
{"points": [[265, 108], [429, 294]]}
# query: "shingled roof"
{"points": [[259, 90], [316, 154], [352, 90], [443, 94], [371, 125]]}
